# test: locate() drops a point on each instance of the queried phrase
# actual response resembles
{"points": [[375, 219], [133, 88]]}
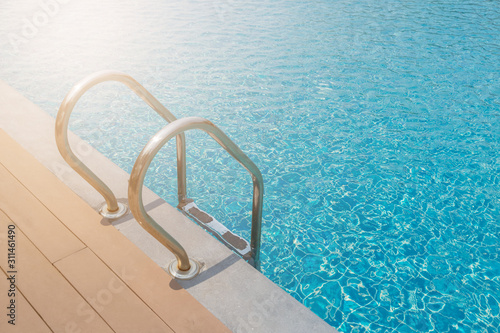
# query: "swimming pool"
{"points": [[375, 125]]}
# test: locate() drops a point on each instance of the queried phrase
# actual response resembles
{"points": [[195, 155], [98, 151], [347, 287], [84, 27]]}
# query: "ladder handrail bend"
{"points": [[141, 167], [61, 133]]}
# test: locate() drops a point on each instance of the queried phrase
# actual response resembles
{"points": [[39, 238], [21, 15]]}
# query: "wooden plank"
{"points": [[57, 302], [25, 319], [167, 298], [108, 295], [38, 223]]}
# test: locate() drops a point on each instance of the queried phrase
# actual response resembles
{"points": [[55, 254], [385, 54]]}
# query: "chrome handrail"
{"points": [[141, 167], [112, 208]]}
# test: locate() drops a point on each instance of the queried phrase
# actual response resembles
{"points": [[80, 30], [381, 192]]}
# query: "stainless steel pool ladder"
{"points": [[183, 267], [112, 208], [141, 167]]}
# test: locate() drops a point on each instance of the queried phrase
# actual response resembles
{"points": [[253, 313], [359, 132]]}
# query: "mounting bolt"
{"points": [[122, 210], [176, 273]]}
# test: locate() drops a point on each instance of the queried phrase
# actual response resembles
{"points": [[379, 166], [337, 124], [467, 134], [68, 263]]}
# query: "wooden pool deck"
{"points": [[72, 270]]}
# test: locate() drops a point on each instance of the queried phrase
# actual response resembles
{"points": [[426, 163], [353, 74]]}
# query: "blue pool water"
{"points": [[376, 125]]}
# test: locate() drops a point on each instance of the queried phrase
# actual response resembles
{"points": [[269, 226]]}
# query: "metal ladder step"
{"points": [[217, 229]]}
